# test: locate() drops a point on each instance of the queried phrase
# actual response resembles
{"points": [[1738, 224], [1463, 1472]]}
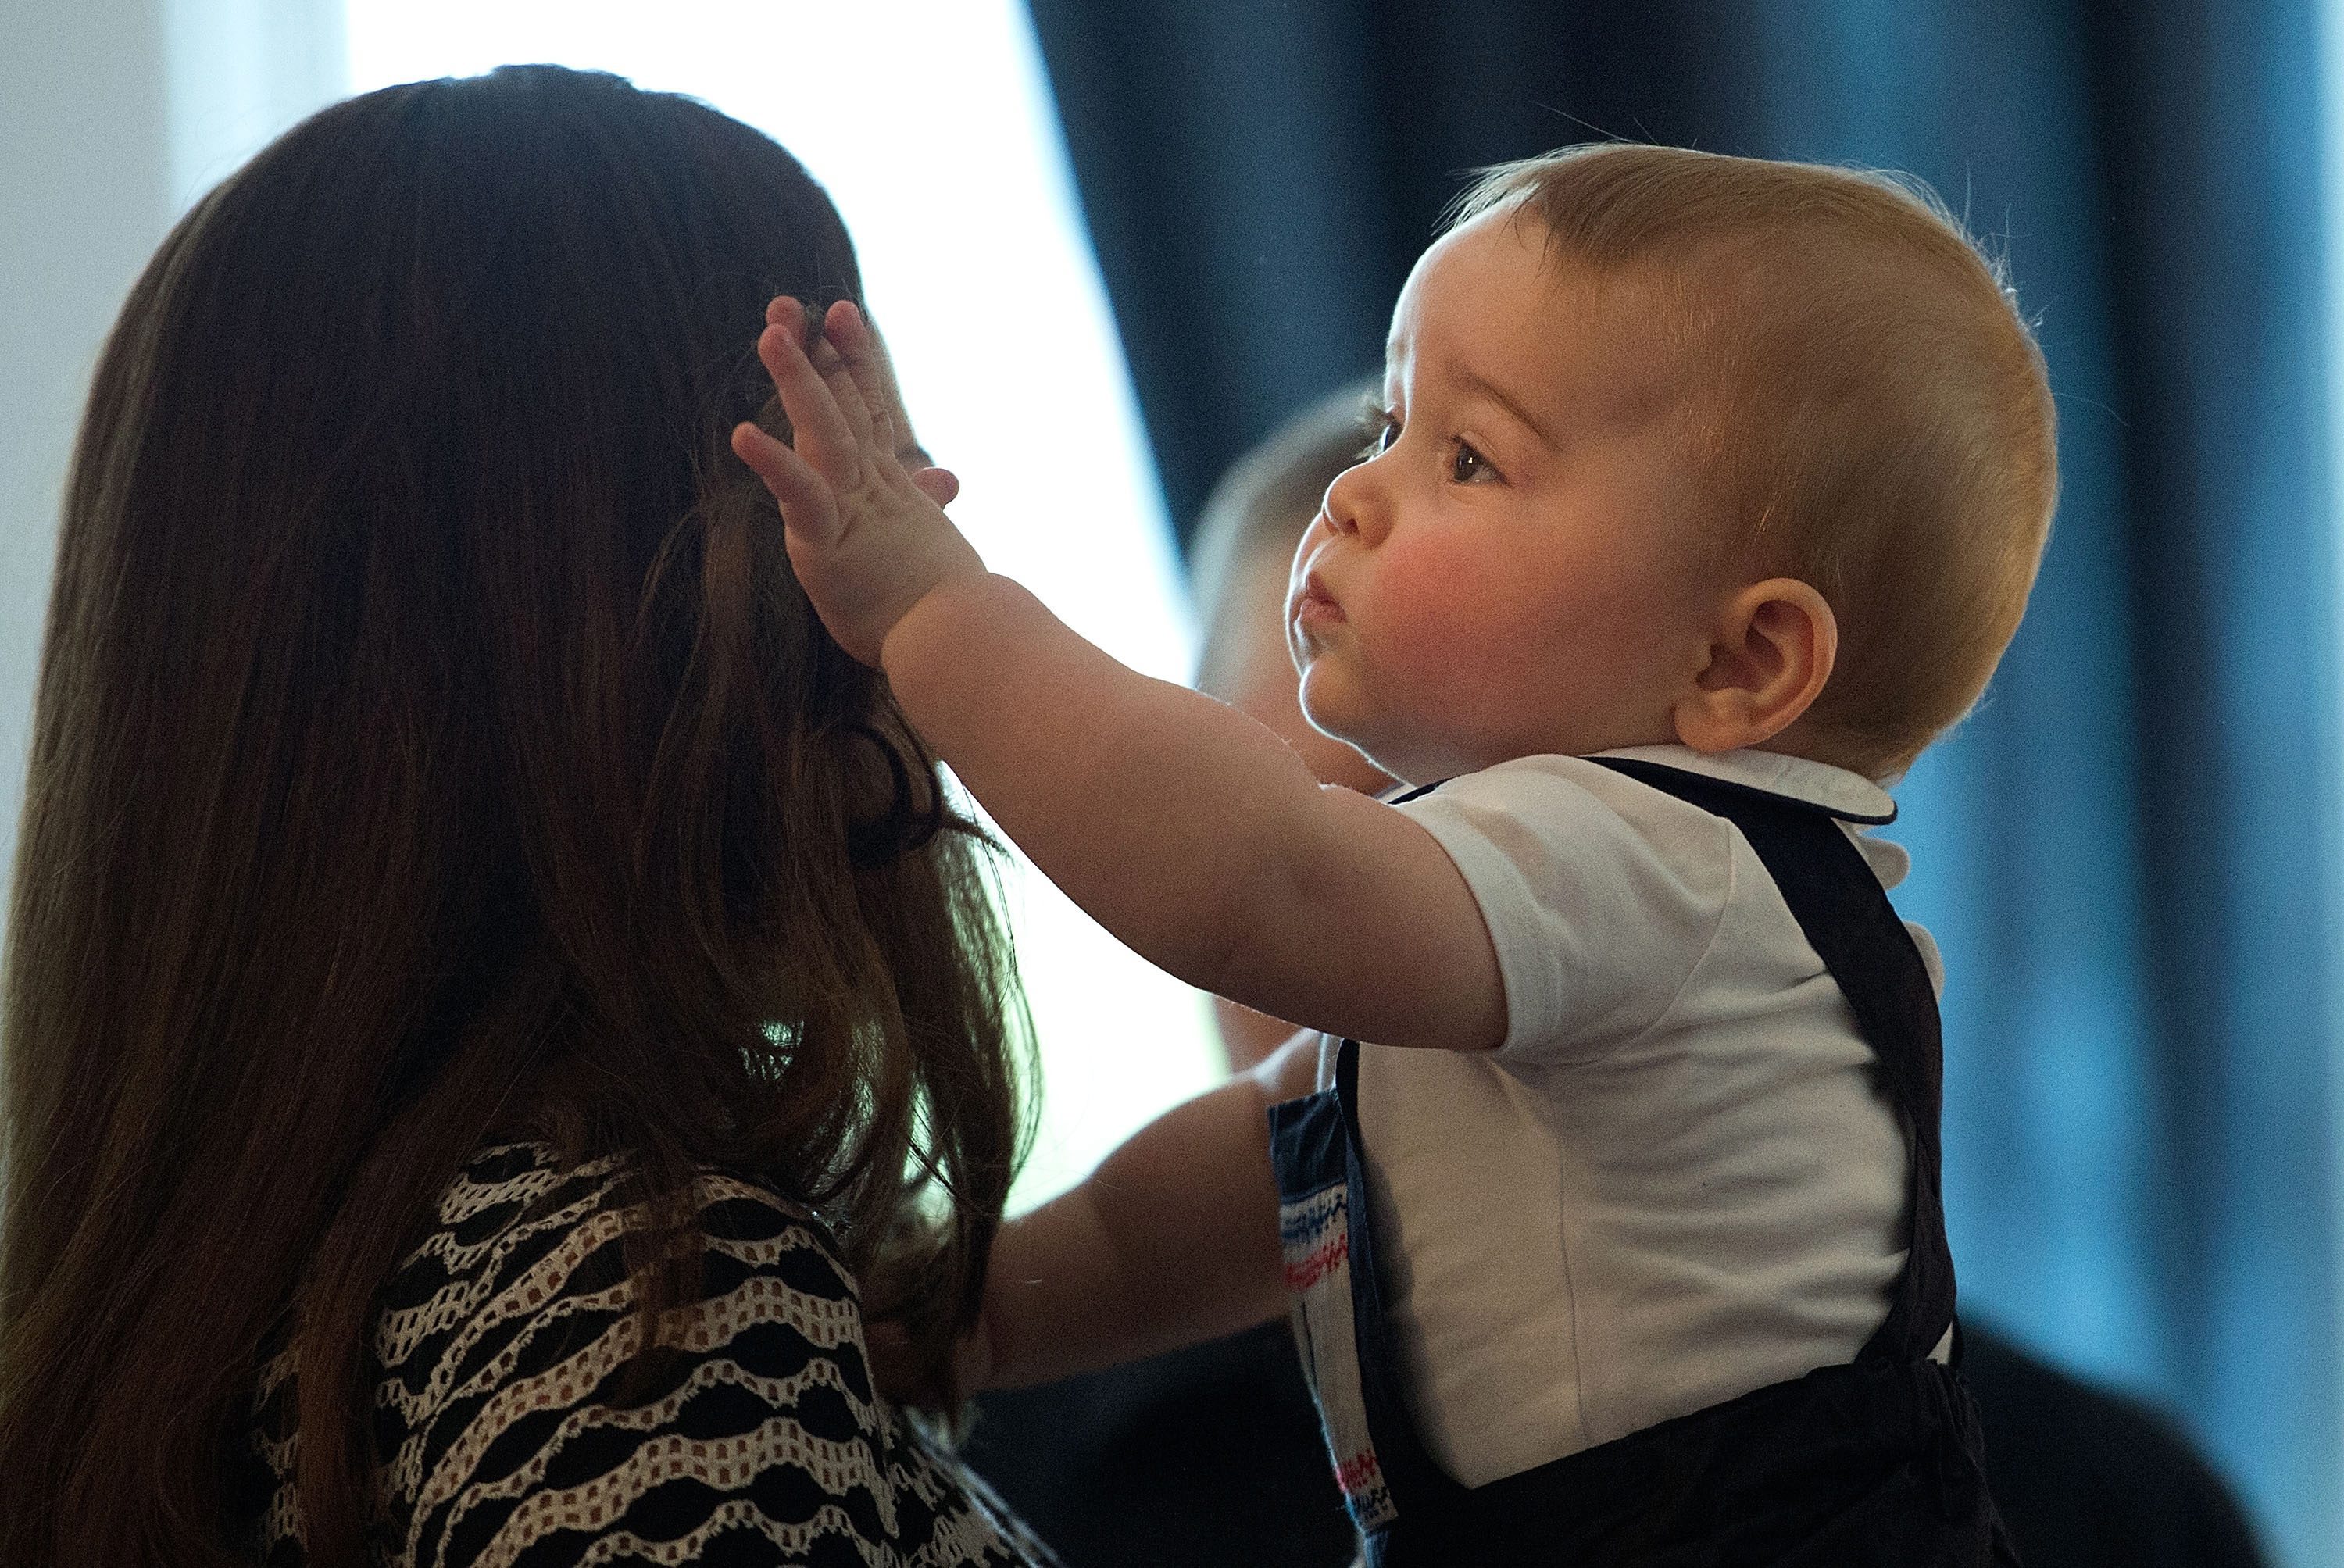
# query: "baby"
{"points": [[1706, 492]]}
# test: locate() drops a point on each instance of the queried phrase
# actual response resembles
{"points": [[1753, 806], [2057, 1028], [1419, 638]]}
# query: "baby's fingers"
{"points": [[860, 414], [821, 431], [809, 507], [847, 329], [939, 485]]}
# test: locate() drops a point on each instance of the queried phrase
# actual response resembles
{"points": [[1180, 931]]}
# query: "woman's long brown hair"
{"points": [[433, 744]]}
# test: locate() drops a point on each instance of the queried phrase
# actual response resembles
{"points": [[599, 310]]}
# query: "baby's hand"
{"points": [[866, 536]]}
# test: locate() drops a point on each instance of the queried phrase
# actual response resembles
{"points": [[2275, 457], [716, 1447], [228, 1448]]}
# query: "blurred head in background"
{"points": [[1244, 550]]}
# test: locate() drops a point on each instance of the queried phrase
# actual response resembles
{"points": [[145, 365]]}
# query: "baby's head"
{"points": [[1683, 447]]}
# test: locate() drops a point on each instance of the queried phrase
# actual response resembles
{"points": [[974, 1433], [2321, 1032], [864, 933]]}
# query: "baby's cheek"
{"points": [[1452, 616]]}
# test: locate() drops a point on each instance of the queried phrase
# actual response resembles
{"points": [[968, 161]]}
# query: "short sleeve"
{"points": [[1602, 895]]}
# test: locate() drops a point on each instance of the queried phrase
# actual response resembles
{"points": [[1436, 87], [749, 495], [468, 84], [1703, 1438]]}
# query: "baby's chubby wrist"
{"points": [[945, 620]]}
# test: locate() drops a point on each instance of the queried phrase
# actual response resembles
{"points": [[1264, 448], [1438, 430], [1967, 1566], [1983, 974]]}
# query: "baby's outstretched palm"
{"points": [[867, 536]]}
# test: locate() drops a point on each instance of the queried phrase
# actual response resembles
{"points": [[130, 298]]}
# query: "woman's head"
{"points": [[431, 735]]}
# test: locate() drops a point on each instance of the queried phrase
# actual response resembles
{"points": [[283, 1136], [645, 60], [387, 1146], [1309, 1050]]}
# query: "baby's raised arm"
{"points": [[1187, 829]]}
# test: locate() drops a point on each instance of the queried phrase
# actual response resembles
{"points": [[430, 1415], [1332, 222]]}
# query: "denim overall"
{"points": [[1874, 1461]]}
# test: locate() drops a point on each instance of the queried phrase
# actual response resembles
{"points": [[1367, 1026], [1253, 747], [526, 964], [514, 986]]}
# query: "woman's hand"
{"points": [[867, 536]]}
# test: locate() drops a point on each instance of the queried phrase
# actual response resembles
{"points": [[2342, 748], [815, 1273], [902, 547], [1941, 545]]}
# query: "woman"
{"points": [[471, 922]]}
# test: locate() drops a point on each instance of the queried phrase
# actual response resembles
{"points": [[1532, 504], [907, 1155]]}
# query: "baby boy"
{"points": [[1602, 1187]]}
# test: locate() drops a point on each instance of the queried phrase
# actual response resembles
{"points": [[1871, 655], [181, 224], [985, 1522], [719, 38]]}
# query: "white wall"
{"points": [[237, 72], [84, 196], [114, 115]]}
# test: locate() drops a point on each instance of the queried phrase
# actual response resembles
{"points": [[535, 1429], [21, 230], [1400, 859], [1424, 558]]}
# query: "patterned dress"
{"points": [[502, 1440]]}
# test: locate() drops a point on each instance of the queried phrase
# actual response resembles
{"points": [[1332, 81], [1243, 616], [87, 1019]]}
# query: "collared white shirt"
{"points": [[1674, 1181]]}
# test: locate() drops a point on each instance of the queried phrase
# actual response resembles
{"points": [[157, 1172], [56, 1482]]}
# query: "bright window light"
{"points": [[930, 124]]}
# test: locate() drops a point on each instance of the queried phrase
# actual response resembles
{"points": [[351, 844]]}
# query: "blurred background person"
{"points": [[1238, 561]]}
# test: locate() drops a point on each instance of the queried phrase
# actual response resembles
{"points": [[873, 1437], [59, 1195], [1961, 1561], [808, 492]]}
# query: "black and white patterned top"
{"points": [[502, 1444]]}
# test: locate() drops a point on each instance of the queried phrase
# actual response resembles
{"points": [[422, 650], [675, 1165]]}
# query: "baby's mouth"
{"points": [[1315, 605]]}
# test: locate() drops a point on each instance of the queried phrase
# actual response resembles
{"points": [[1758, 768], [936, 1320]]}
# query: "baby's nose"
{"points": [[1339, 507]]}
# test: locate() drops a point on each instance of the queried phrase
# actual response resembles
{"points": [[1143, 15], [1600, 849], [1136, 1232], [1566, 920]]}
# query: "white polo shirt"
{"points": [[1674, 1182]]}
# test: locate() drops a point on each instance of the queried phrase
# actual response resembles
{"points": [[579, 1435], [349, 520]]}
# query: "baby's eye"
{"points": [[1382, 430], [1466, 465]]}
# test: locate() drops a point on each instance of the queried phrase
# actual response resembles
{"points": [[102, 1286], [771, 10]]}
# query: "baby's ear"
{"points": [[1770, 655]]}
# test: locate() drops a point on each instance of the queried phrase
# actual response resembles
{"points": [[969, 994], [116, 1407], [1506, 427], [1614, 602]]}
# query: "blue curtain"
{"points": [[2130, 852]]}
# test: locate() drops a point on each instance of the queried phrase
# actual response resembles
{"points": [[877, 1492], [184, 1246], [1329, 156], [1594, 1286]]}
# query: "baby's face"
{"points": [[1519, 569]]}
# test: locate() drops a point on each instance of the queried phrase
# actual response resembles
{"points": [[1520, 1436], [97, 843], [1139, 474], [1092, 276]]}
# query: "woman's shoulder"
{"points": [[521, 1241], [503, 1431]]}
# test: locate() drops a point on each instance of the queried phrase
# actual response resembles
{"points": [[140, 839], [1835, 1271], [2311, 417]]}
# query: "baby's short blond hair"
{"points": [[1862, 395]]}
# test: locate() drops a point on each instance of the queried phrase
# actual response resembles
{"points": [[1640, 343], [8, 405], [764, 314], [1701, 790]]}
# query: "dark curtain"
{"points": [[2129, 852]]}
